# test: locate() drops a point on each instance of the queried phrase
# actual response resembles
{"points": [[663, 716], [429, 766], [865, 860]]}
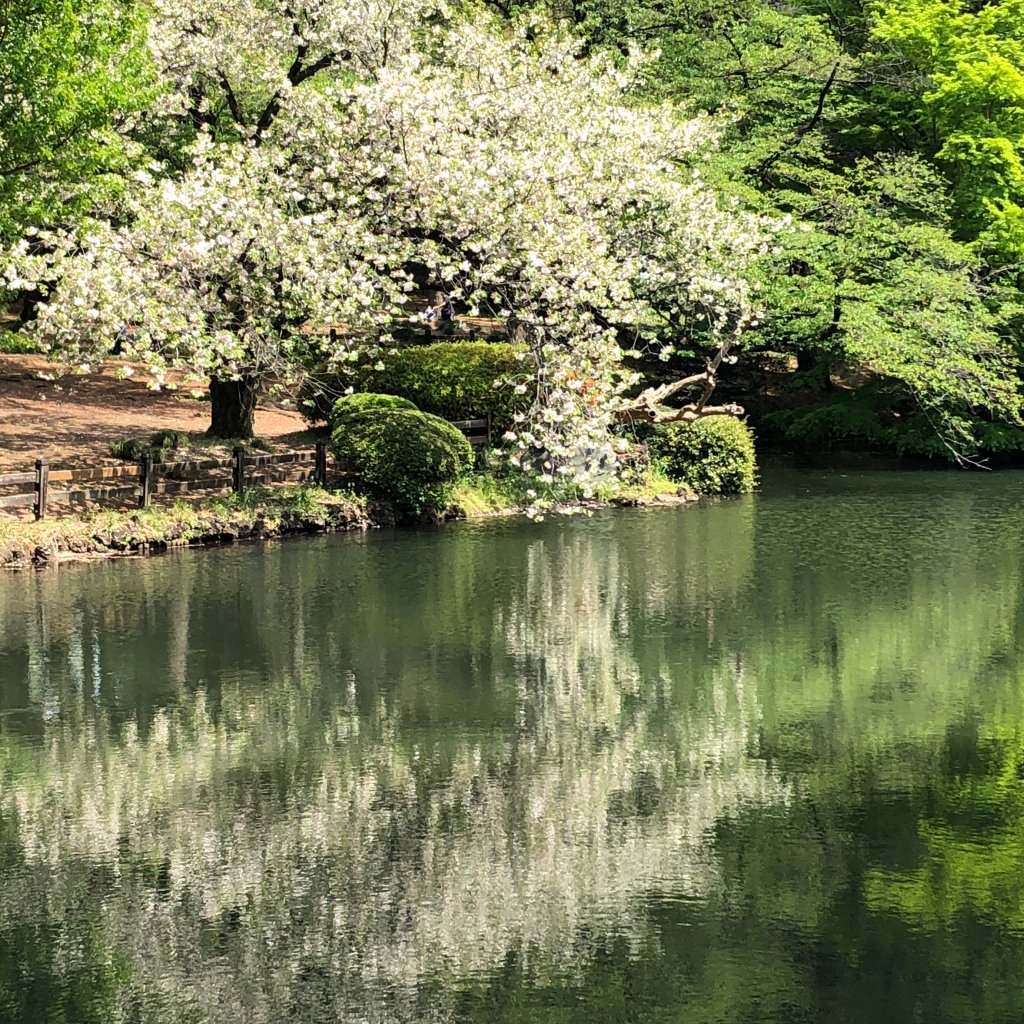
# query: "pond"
{"points": [[759, 760]]}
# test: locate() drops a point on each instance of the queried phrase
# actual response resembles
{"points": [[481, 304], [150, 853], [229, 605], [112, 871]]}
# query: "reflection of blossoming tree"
{"points": [[284, 840], [391, 859]]}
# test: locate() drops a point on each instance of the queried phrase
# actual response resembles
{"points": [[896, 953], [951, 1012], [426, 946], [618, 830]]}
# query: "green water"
{"points": [[760, 761]]}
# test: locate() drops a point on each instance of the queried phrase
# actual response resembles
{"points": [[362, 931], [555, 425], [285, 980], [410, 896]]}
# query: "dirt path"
{"points": [[71, 420]]}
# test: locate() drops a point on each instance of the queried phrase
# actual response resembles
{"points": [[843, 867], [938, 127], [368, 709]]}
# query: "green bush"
{"points": [[128, 448], [133, 448], [454, 380], [714, 455], [169, 440], [15, 344], [349, 406], [408, 457]]}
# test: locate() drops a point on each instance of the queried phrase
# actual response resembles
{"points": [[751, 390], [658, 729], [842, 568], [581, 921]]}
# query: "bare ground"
{"points": [[72, 419]]}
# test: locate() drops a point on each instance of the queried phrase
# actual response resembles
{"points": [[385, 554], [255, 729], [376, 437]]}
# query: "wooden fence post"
{"points": [[489, 424], [42, 486], [239, 470], [320, 466], [146, 483]]}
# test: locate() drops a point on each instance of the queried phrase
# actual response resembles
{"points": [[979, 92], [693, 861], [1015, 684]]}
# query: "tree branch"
{"points": [[762, 168], [229, 94], [649, 406]]}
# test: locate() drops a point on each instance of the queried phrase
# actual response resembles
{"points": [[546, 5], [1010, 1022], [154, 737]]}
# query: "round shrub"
{"points": [[714, 455], [349, 406], [409, 457], [454, 380]]}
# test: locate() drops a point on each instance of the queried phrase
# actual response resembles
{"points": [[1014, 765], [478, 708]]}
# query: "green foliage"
{"points": [[408, 457], [454, 380], [12, 343], [882, 274], [69, 72], [169, 440], [349, 406], [965, 61], [132, 449], [883, 286], [874, 414], [713, 455]]}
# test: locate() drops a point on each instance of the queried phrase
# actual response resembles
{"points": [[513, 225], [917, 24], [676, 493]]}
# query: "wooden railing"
{"points": [[148, 478], [478, 432]]}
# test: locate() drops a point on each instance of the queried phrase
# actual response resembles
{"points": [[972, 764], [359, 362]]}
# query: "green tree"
{"points": [[962, 65], [878, 283], [71, 77]]}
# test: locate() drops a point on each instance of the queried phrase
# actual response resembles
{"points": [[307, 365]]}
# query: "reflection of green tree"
{"points": [[970, 836], [877, 626]]}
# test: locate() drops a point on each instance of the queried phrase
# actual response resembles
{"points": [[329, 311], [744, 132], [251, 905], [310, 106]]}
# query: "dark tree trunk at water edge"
{"points": [[233, 407]]}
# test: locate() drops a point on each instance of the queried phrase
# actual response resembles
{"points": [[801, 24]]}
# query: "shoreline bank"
{"points": [[113, 534], [269, 516]]}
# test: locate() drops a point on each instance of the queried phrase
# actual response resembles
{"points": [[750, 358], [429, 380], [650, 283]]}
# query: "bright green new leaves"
{"points": [[972, 99], [70, 74]]}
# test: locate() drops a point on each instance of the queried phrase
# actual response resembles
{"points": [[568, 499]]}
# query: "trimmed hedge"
{"points": [[408, 457], [714, 455], [349, 406], [454, 380]]}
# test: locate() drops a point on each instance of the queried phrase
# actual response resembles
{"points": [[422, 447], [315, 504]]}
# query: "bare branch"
{"points": [[762, 169], [232, 100], [649, 406]]}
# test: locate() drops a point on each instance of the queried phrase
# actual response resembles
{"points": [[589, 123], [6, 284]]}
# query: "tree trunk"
{"points": [[26, 306], [815, 361], [806, 360], [233, 407]]}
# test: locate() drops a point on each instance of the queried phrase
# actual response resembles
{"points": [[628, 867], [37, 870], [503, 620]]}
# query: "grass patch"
{"points": [[655, 483], [183, 521], [484, 494]]}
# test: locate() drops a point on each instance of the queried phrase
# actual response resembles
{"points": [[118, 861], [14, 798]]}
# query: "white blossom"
{"points": [[516, 170]]}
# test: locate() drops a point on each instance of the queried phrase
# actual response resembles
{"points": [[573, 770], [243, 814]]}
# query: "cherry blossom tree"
{"points": [[544, 198], [341, 143]]}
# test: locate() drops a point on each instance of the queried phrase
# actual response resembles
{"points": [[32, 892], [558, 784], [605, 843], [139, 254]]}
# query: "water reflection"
{"points": [[298, 827], [712, 759]]}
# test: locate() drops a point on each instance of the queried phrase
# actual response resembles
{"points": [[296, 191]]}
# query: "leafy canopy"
{"points": [[71, 76]]}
